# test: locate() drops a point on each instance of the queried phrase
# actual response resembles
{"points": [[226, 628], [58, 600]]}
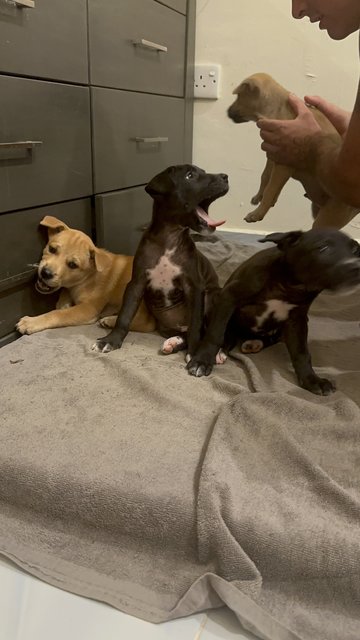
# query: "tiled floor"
{"points": [[33, 610]]}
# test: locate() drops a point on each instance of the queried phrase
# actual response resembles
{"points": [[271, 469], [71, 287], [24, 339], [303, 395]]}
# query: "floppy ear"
{"points": [[283, 240], [100, 258], [160, 185], [53, 225], [248, 88]]}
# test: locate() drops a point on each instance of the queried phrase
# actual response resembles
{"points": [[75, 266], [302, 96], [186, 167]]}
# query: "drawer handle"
{"points": [[150, 45], [151, 140], [25, 4], [25, 144]]}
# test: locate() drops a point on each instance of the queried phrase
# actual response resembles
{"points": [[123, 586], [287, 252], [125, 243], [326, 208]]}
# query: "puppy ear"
{"points": [[100, 258], [160, 185], [53, 225], [283, 240], [249, 88]]}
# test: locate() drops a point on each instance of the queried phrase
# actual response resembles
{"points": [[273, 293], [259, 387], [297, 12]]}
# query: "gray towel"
{"points": [[126, 480]]}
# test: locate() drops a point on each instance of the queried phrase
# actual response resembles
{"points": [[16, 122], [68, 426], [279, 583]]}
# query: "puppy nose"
{"points": [[46, 273], [224, 176]]}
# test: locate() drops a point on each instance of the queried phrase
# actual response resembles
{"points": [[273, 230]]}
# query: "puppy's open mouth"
{"points": [[202, 212], [42, 287]]}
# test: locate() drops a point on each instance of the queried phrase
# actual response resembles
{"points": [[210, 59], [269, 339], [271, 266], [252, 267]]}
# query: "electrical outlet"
{"points": [[207, 81]]}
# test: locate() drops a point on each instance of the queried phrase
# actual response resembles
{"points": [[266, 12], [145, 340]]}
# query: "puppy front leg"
{"points": [[204, 358], [197, 306], [265, 177], [132, 297], [295, 337], [280, 174], [84, 313]]}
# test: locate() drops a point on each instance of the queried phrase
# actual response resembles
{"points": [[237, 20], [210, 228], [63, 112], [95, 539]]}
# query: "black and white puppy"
{"points": [[267, 298], [177, 282]]}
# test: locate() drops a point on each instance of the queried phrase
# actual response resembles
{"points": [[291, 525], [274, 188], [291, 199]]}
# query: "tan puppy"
{"points": [[260, 96], [92, 282]]}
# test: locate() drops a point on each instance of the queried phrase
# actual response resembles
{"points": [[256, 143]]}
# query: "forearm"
{"points": [[338, 167]]}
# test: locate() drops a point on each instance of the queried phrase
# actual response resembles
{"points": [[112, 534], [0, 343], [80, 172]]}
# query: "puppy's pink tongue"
{"points": [[208, 220]]}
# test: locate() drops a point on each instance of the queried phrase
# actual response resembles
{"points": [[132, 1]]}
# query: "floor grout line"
{"points": [[202, 627]]}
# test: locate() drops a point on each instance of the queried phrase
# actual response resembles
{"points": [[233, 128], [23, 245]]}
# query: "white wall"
{"points": [[247, 36]]}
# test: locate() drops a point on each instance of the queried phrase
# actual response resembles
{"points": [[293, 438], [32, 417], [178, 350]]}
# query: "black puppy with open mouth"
{"points": [[267, 298], [177, 282]]}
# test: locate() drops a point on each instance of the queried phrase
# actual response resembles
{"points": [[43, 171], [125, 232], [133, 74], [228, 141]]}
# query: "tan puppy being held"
{"points": [[260, 96], [92, 282]]}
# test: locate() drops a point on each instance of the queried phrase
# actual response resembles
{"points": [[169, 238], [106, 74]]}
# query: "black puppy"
{"points": [[268, 297], [176, 281]]}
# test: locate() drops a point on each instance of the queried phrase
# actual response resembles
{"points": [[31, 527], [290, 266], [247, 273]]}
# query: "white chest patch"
{"points": [[162, 276], [278, 308]]}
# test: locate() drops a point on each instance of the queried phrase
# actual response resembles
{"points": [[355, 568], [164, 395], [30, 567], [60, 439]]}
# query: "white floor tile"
{"points": [[222, 624], [33, 610]]}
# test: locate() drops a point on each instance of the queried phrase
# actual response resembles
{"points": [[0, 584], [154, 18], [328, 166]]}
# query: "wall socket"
{"points": [[207, 81]]}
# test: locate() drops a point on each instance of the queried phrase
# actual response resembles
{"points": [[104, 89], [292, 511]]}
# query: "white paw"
{"points": [[172, 344], [252, 346], [221, 357], [99, 348]]}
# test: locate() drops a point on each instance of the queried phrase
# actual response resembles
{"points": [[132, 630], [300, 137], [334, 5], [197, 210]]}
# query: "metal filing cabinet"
{"points": [[96, 97]]}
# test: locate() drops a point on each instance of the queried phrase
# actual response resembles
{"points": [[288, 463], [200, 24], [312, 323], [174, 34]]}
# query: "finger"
{"points": [[297, 104], [269, 136], [270, 149], [269, 125]]}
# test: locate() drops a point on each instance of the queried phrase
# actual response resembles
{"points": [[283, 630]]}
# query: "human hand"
{"points": [[290, 142], [338, 117]]}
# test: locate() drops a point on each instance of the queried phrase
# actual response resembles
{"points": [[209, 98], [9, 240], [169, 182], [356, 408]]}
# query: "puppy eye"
{"points": [[52, 249], [189, 175], [356, 249], [324, 248], [72, 265]]}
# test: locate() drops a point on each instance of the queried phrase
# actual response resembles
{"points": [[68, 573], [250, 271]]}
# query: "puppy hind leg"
{"points": [[265, 177], [334, 214], [174, 344], [280, 174]]}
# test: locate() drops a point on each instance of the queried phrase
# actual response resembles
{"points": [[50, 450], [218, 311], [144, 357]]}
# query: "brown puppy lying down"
{"points": [[260, 96], [92, 282]]}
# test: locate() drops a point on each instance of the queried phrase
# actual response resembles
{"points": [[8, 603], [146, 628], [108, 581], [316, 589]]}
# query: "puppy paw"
{"points": [[29, 325], [107, 344], [199, 368], [319, 386], [256, 199], [108, 322], [221, 357], [254, 216], [252, 346], [173, 344]]}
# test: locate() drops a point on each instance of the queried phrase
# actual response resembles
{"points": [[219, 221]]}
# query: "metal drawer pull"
{"points": [[150, 45], [25, 4], [26, 144], [150, 140]]}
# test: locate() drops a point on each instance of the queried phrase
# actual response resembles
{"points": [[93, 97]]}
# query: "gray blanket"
{"points": [[126, 480]]}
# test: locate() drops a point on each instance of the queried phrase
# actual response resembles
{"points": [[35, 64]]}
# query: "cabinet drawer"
{"points": [[115, 61], [120, 219], [48, 41], [57, 116], [22, 241], [121, 117], [22, 300], [178, 5]]}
